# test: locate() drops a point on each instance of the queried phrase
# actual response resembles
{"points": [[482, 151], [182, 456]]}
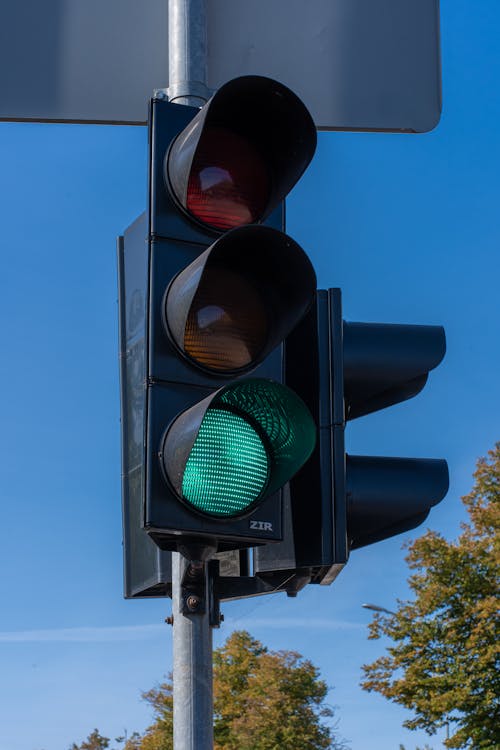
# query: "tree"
{"points": [[158, 736], [444, 663], [94, 741], [263, 700]]}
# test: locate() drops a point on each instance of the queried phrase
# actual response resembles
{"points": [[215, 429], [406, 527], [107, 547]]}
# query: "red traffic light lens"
{"points": [[227, 324], [229, 183]]}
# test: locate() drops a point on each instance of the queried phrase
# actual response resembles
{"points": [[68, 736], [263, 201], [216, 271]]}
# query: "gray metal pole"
{"points": [[192, 641], [187, 52], [192, 635]]}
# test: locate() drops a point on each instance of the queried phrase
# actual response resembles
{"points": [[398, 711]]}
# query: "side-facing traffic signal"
{"points": [[210, 288], [339, 502], [383, 365]]}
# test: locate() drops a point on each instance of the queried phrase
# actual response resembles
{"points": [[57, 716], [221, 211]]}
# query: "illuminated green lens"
{"points": [[228, 466]]}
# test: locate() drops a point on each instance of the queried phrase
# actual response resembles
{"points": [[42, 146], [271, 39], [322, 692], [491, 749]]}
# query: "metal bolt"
{"points": [[221, 618], [193, 602], [195, 568], [160, 93], [169, 620]]}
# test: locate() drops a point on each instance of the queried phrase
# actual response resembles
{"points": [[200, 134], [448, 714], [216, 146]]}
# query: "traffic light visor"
{"points": [[231, 450], [388, 496], [385, 364], [241, 154], [234, 304]]}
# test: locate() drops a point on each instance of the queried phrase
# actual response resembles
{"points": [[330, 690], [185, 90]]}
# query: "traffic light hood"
{"points": [[388, 496], [237, 446], [385, 364], [237, 300], [241, 154]]}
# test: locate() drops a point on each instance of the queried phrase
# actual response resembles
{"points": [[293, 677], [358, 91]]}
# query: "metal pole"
{"points": [[192, 642], [192, 635], [187, 52]]}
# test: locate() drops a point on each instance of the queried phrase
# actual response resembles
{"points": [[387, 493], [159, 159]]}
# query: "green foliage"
{"points": [[134, 742], [262, 701], [94, 741], [267, 700], [444, 661]]}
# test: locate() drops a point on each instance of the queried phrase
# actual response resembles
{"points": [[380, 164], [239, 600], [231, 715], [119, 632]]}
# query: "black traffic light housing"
{"points": [[385, 364], [338, 502], [173, 264]]}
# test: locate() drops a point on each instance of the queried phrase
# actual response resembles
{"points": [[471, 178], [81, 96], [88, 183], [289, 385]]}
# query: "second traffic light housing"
{"points": [[383, 365], [339, 502]]}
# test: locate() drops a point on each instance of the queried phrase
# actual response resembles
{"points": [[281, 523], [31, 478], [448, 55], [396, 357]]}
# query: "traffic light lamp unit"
{"points": [[237, 374]]}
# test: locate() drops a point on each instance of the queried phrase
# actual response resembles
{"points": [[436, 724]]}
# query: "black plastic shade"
{"points": [[388, 496], [385, 364], [241, 154], [237, 301], [237, 446]]}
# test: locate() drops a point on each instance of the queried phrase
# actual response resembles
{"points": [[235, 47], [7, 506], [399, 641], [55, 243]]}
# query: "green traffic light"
{"points": [[228, 466], [254, 436]]}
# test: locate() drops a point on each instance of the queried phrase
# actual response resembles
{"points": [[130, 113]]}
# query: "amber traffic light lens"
{"points": [[229, 183], [227, 325]]}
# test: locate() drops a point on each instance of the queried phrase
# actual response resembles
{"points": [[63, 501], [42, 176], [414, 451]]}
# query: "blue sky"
{"points": [[407, 226]]}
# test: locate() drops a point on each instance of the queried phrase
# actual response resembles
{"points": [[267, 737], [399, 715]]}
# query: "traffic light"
{"points": [[210, 288], [385, 364], [238, 377], [338, 502]]}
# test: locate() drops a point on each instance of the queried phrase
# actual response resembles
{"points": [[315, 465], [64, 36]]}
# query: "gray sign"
{"points": [[357, 64]]}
